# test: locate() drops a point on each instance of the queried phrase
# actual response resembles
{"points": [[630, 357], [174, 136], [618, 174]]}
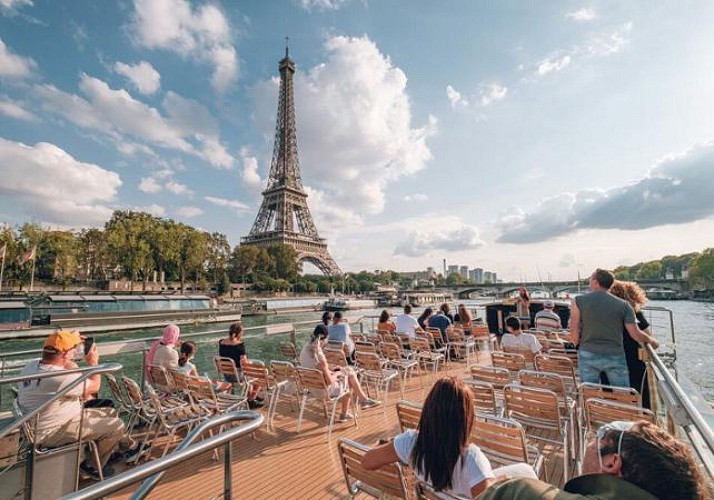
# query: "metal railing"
{"points": [[152, 472]]}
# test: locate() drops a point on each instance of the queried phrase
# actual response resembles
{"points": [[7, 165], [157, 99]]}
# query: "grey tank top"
{"points": [[602, 321]]}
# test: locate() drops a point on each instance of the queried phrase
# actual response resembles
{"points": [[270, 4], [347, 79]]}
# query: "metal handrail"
{"points": [[187, 450], [692, 414], [86, 373]]}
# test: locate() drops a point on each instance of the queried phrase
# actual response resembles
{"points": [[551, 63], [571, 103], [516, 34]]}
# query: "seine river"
{"points": [[693, 321]]}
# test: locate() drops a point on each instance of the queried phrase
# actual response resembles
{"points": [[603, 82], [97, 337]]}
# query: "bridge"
{"points": [[553, 288]]}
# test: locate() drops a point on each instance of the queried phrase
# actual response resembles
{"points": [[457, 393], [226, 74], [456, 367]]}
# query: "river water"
{"points": [[693, 323]]}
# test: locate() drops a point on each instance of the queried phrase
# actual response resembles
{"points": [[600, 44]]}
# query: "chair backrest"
{"points": [[255, 370], [510, 361], [180, 379], [532, 406], [364, 346], [484, 396], [626, 395], [387, 481], [480, 331], [455, 334], [408, 414], [390, 350], [283, 370], [356, 337], [600, 411], [311, 378], [556, 364], [160, 379], [27, 427], [544, 380], [289, 351], [497, 377], [374, 338], [419, 344], [335, 357], [201, 389], [133, 392], [368, 361], [435, 334], [115, 389], [502, 440], [571, 354], [227, 367], [527, 354]]}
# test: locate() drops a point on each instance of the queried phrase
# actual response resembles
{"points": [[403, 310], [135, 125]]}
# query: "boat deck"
{"points": [[283, 464]]}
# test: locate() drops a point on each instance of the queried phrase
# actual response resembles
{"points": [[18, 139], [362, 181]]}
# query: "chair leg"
{"points": [[332, 418], [97, 462], [302, 409]]}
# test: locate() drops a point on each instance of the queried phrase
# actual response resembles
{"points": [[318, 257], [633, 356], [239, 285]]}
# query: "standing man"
{"points": [[596, 323], [547, 319]]}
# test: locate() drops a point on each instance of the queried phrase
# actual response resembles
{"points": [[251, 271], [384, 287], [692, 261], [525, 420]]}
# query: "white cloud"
{"points": [[450, 235], [222, 202], [201, 33], [610, 42], [163, 180], [10, 7], [455, 98], [584, 15], [15, 110], [149, 185], [178, 188], [249, 175], [418, 197], [153, 209], [189, 212], [677, 190], [47, 182], [142, 75], [117, 114], [492, 92], [355, 124], [552, 64], [322, 4], [13, 65]]}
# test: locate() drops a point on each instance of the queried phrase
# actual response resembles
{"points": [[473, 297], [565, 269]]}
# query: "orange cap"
{"points": [[63, 340]]}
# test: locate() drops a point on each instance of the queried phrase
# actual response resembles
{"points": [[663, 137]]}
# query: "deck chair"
{"points": [[289, 351], [504, 442], [527, 354], [201, 390], [538, 410], [571, 354], [510, 361], [161, 380], [312, 384], [374, 373], [425, 356], [255, 372], [386, 482], [483, 338], [284, 371], [335, 357], [563, 366], [457, 341], [170, 421], [497, 377], [228, 370], [120, 397], [397, 359], [408, 414], [366, 346], [484, 397]]}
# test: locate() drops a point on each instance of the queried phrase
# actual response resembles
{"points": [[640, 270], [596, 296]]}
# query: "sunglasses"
{"points": [[622, 427]]}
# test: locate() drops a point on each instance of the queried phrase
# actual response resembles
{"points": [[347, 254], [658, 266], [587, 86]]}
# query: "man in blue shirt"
{"points": [[441, 321], [340, 331]]}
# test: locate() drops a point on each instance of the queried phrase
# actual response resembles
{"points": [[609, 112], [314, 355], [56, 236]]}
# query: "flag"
{"points": [[29, 255]]}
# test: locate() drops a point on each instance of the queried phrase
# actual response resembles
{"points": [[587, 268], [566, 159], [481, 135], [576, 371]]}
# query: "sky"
{"points": [[538, 140]]}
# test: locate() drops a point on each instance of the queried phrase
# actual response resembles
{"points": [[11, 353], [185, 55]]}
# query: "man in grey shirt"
{"points": [[597, 321]]}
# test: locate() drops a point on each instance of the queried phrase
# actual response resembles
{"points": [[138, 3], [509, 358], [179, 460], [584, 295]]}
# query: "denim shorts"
{"points": [[590, 365]]}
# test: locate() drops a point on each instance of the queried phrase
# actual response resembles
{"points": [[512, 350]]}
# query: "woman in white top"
{"points": [[188, 351], [439, 452]]}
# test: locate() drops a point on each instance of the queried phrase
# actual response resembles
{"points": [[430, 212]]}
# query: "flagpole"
{"points": [[32, 275], [2, 266]]}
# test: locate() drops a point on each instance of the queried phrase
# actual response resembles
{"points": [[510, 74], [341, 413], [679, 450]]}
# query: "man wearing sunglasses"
{"points": [[626, 460]]}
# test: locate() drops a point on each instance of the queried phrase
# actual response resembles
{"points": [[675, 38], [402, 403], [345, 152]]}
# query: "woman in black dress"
{"points": [[234, 348]]}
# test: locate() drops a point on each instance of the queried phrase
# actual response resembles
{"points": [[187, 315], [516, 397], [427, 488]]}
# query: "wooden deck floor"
{"points": [[285, 465]]}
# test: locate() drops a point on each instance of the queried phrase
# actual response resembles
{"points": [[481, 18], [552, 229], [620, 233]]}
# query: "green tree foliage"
{"points": [[650, 271], [701, 270], [128, 236]]}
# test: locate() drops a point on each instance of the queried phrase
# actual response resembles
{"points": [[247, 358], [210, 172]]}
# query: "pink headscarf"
{"points": [[169, 338]]}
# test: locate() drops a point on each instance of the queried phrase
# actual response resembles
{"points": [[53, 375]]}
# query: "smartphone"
{"points": [[88, 343]]}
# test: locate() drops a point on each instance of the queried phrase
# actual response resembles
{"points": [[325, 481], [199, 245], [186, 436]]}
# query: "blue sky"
{"points": [[534, 139]]}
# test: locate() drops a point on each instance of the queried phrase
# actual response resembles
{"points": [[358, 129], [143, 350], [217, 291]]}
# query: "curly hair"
{"points": [[631, 292]]}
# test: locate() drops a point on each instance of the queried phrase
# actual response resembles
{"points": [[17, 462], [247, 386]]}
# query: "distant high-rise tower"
{"points": [[284, 216]]}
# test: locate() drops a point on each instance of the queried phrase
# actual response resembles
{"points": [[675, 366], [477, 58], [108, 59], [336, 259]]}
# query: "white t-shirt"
{"points": [[406, 324], [33, 393], [166, 356], [526, 341], [188, 368], [471, 468]]}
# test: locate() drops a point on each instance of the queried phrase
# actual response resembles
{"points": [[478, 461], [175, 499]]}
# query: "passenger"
{"points": [[635, 296], [322, 326], [187, 353], [340, 331], [60, 423], [596, 323], [234, 348], [463, 317], [385, 324], [523, 307], [518, 339], [162, 352], [441, 321], [440, 454], [423, 320], [635, 461], [312, 356], [447, 311], [406, 323], [547, 319]]}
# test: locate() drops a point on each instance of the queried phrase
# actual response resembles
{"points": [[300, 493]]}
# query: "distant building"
{"points": [[488, 277], [452, 269], [669, 274], [464, 272], [476, 275]]}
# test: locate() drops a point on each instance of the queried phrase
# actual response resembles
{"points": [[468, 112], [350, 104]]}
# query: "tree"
{"points": [[128, 242], [59, 263], [284, 262], [92, 254], [218, 251], [701, 270], [649, 271], [224, 286], [243, 262], [454, 279], [192, 253]]}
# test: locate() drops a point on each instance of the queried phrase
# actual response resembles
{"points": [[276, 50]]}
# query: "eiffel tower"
{"points": [[284, 216]]}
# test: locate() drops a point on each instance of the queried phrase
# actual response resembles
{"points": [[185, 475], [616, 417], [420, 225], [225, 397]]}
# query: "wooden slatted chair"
{"points": [[125, 407], [436, 342], [459, 342], [571, 354], [424, 355], [405, 364], [386, 482], [504, 442], [170, 421], [366, 346], [180, 380], [599, 412], [228, 370], [408, 414], [484, 396], [335, 357], [425, 491], [256, 373], [562, 366], [510, 361], [539, 412], [312, 384], [161, 381], [284, 371], [497, 377], [289, 352], [528, 355], [483, 338], [202, 391], [374, 373]]}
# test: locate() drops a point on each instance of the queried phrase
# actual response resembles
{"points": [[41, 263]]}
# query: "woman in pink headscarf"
{"points": [[162, 351]]}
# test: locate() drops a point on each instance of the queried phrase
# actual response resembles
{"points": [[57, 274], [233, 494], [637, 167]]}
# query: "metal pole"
{"points": [[227, 479]]}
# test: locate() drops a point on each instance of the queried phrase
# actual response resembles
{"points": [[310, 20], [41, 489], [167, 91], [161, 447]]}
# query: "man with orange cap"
{"points": [[61, 422]]}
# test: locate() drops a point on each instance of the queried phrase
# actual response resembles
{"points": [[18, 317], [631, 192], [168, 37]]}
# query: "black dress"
{"points": [[234, 352], [637, 368]]}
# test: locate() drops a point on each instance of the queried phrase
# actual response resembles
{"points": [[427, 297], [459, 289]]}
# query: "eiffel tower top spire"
{"points": [[284, 216]]}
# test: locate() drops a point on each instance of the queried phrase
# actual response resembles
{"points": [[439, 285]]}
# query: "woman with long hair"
{"points": [[463, 316], [523, 307], [385, 324], [163, 351], [439, 451], [631, 292], [234, 348], [423, 320]]}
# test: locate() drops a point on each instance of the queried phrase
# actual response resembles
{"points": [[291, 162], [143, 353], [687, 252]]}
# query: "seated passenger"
{"points": [[441, 321], [463, 317], [385, 324], [163, 351], [340, 331], [547, 319], [312, 356], [234, 348], [187, 352], [627, 460], [423, 319], [60, 423], [406, 323], [517, 339], [440, 453]]}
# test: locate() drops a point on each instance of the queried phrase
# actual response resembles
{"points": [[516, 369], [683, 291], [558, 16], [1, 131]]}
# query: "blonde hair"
{"points": [[631, 292]]}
